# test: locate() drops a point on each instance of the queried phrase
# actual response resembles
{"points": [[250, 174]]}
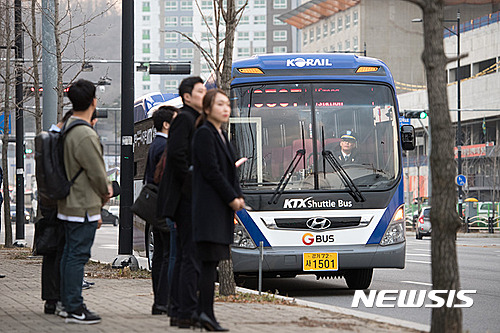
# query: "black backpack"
{"points": [[49, 168]]}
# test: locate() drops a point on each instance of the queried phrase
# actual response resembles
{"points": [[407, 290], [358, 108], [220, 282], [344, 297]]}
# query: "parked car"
{"points": [[423, 227], [115, 210], [27, 215], [485, 209], [107, 217]]}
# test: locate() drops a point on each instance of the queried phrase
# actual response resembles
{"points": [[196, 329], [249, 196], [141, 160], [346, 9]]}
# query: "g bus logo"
{"points": [[308, 239]]}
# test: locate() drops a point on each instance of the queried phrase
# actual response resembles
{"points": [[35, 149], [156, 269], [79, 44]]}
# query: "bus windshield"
{"points": [[271, 123]]}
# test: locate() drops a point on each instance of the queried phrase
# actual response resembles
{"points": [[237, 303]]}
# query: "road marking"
{"points": [[418, 254], [108, 246], [420, 283], [419, 262], [426, 250]]}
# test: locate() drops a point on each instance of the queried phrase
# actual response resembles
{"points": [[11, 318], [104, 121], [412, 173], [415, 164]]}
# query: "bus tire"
{"points": [[359, 278]]}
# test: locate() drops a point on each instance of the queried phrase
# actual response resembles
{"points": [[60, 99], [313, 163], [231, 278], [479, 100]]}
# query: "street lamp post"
{"points": [[459, 122]]}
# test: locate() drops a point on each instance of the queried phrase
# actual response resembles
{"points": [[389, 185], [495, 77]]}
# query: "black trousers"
{"points": [[207, 284], [184, 301], [51, 264], [159, 271]]}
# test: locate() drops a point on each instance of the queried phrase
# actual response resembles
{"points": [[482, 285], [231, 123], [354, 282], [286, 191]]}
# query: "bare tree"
{"points": [[224, 13], [7, 78], [444, 217]]}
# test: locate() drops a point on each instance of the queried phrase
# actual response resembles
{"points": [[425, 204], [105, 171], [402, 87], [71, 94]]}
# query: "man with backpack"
{"points": [[81, 208]]}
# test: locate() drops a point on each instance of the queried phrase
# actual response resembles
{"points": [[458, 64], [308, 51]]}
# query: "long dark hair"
{"points": [[208, 102]]}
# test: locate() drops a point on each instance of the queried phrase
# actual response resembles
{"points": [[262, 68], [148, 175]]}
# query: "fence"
{"points": [[473, 24], [481, 223]]}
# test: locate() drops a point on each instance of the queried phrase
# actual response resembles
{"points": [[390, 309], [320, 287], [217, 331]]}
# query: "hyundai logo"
{"points": [[318, 223]]}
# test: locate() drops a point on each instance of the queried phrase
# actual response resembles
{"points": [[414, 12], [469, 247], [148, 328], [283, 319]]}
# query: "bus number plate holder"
{"points": [[325, 261]]}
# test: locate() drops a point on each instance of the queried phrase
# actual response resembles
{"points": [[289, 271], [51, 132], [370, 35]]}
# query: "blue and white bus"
{"points": [[312, 214]]}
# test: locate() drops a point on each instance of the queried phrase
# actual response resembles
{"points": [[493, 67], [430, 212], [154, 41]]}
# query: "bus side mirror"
{"points": [[408, 137]]}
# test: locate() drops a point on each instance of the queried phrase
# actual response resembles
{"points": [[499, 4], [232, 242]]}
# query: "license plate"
{"points": [[320, 261]]}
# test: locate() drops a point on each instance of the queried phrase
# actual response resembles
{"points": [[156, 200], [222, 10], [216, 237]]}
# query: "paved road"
{"points": [[479, 262]]}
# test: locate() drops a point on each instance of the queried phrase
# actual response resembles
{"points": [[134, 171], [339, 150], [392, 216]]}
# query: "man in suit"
{"points": [[174, 202], [347, 153]]}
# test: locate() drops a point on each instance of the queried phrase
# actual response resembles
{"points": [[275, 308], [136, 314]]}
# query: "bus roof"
{"points": [[313, 66]]}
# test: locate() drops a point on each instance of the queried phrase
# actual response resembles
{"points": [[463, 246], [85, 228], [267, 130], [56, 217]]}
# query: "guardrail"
{"points": [[481, 223]]}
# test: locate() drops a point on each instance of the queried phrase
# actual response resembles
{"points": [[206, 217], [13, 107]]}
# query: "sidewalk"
{"points": [[125, 306]]}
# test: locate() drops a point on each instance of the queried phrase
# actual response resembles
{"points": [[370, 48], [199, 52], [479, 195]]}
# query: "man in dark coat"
{"points": [[162, 255], [174, 201]]}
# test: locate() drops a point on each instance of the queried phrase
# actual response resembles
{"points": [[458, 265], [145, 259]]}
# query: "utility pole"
{"points": [[20, 220], [125, 256], [49, 66], [459, 122]]}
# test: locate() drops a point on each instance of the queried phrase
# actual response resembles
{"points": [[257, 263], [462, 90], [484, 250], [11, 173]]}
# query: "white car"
{"points": [[115, 210]]}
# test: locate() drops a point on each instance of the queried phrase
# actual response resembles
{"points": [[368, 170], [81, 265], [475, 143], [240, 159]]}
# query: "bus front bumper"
{"points": [[289, 259]]}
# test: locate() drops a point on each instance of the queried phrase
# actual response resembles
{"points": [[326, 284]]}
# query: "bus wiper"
{"points": [[344, 176], [299, 154]]}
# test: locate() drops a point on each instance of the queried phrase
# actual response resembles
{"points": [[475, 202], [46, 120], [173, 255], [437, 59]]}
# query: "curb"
{"points": [[345, 311], [465, 235]]}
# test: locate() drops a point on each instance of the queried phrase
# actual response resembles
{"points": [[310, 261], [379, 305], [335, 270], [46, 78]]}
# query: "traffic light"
{"points": [[415, 114], [170, 68]]}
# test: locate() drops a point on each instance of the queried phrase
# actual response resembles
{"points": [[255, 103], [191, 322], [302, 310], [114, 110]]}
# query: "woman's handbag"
{"points": [[145, 206]]}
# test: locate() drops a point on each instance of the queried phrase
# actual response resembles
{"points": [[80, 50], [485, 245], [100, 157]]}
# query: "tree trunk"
{"points": [[444, 217], [227, 58]]}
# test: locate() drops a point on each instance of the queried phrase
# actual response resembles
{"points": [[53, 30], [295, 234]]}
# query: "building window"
{"points": [[170, 53], [259, 4], [146, 77], [260, 35], [259, 19], [146, 6], [171, 21], [355, 44], [332, 27], [243, 51], [279, 4], [279, 49], [304, 37], [188, 34], [279, 35], [186, 21], [318, 32], [311, 35], [245, 20], [146, 87], [187, 53], [146, 34], [347, 21], [171, 37], [240, 3], [325, 29], [339, 24], [171, 85], [277, 21], [339, 46], [206, 4], [186, 5], [210, 20], [146, 48], [171, 5], [243, 35], [347, 44], [205, 36], [146, 19], [355, 18], [259, 50]]}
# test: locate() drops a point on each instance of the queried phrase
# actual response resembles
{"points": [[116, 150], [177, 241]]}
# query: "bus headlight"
{"points": [[241, 236], [395, 232]]}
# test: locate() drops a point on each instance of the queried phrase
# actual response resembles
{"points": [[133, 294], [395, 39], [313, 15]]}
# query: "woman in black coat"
{"points": [[216, 196]]}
